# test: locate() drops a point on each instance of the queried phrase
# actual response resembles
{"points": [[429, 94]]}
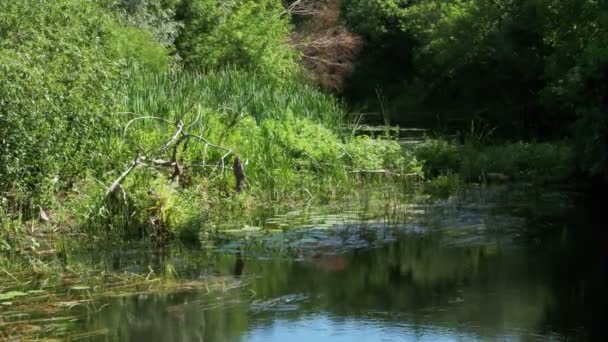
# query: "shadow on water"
{"points": [[519, 267]]}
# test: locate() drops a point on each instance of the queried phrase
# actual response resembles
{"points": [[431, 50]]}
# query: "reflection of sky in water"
{"points": [[319, 328]]}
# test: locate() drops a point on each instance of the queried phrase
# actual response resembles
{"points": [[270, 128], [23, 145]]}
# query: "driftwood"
{"points": [[496, 177], [384, 172], [116, 184]]}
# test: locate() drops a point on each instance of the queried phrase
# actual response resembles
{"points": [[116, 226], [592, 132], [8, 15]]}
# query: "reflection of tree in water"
{"points": [[576, 262], [547, 280], [486, 285], [179, 316], [239, 265]]}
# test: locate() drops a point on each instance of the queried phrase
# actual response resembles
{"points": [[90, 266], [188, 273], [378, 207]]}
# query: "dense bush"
{"points": [[538, 162], [534, 70], [60, 63], [246, 34]]}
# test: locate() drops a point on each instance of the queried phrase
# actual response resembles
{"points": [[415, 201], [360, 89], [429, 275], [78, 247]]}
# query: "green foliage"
{"points": [[534, 70], [540, 162], [59, 88], [139, 47], [243, 33], [230, 93], [577, 72], [154, 16], [441, 44], [537, 162], [437, 156], [365, 153], [358, 150]]}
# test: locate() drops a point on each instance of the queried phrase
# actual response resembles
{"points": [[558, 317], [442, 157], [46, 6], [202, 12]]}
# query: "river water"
{"points": [[487, 265]]}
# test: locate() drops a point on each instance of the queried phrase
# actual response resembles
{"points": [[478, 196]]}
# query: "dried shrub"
{"points": [[328, 48]]}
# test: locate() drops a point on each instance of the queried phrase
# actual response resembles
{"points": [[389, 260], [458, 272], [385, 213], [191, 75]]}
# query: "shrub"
{"points": [[539, 162], [438, 157], [366, 153], [248, 34], [61, 62]]}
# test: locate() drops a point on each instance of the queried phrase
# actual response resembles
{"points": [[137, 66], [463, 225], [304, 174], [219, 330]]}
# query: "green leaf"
{"points": [[11, 295]]}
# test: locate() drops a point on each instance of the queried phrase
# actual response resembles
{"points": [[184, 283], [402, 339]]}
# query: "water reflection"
{"points": [[538, 276]]}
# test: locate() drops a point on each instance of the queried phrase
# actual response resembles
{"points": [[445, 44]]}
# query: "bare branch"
{"points": [[304, 8], [116, 184], [207, 142], [180, 129], [328, 48]]}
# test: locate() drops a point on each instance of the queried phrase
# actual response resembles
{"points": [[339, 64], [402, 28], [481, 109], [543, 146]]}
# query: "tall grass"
{"points": [[230, 92], [288, 134]]}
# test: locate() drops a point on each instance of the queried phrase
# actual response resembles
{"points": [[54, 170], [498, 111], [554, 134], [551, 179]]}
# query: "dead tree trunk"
{"points": [[239, 174]]}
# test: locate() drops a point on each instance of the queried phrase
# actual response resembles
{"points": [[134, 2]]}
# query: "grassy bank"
{"points": [[114, 138], [165, 167]]}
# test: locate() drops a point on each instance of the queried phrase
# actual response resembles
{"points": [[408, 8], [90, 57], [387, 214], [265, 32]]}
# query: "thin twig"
{"points": [[207, 142]]}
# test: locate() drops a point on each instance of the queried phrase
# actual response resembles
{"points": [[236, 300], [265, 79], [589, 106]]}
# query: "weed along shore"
{"points": [[332, 170]]}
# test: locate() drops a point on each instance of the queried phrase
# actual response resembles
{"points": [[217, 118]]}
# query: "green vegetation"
{"points": [[132, 130], [244, 33], [131, 118], [126, 122], [537, 162], [534, 70]]}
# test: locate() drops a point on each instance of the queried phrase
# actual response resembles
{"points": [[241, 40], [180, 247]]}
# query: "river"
{"points": [[495, 264]]}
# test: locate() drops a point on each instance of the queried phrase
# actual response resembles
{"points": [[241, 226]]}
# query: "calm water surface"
{"points": [[500, 266]]}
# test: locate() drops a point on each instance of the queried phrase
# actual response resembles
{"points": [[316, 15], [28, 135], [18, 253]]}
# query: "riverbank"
{"points": [[151, 205]]}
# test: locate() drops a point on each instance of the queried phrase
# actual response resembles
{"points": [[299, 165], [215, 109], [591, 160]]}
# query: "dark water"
{"points": [[510, 267]]}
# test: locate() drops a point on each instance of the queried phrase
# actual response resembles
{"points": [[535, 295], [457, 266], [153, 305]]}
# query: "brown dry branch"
{"points": [[328, 48], [305, 8], [179, 138]]}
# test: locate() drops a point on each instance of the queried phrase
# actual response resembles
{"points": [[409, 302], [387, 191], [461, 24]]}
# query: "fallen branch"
{"points": [[177, 139], [116, 184], [180, 129], [384, 172]]}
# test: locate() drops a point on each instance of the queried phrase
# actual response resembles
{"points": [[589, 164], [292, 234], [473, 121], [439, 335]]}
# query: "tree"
{"points": [[327, 47], [246, 34], [59, 87]]}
